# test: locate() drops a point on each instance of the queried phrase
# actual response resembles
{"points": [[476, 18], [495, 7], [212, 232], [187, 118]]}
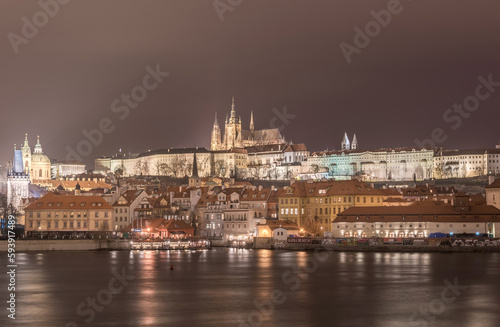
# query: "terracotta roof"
{"points": [[255, 195], [328, 188], [280, 223], [295, 147], [392, 191], [205, 198], [495, 184], [51, 201], [129, 196], [414, 212]]}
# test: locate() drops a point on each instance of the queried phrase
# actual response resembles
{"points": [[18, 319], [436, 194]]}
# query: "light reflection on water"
{"points": [[221, 286]]}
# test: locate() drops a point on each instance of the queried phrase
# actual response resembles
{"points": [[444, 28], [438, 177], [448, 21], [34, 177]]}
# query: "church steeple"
{"points": [[354, 145], [38, 146], [345, 144], [195, 166], [215, 143], [251, 122], [194, 180], [232, 118], [216, 123]]}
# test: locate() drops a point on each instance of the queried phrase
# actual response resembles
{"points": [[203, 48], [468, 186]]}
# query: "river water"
{"points": [[234, 287]]}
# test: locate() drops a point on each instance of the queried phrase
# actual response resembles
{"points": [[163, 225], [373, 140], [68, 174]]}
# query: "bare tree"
{"points": [[219, 168], [311, 224]]}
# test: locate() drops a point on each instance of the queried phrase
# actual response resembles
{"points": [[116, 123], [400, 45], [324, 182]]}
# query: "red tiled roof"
{"points": [[280, 223], [328, 188], [51, 201]]}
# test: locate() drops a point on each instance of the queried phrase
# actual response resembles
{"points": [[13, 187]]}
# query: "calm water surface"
{"points": [[229, 287]]}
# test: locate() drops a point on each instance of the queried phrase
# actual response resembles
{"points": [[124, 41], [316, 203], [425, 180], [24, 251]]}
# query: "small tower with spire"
{"points": [[38, 146], [26, 150], [354, 145], [215, 143], [252, 128], [345, 144], [194, 180]]}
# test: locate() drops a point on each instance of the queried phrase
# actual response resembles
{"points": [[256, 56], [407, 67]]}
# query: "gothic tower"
{"points": [[345, 144], [354, 145], [18, 181], [232, 130], [215, 143], [252, 128]]}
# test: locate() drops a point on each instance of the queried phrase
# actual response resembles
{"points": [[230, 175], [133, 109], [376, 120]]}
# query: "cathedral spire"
{"points": [[232, 118], [251, 121], [216, 123]]}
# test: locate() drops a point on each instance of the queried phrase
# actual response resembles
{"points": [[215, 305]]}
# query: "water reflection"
{"points": [[222, 286]]}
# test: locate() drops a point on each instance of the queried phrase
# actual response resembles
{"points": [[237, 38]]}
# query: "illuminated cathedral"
{"points": [[236, 137]]}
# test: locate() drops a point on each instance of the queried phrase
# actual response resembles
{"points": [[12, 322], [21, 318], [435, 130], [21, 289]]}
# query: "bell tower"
{"points": [[26, 151], [215, 143], [232, 130]]}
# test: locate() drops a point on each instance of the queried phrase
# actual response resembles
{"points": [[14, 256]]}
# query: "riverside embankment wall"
{"points": [[65, 245]]}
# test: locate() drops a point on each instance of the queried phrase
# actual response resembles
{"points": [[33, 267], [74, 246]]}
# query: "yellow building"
{"points": [[54, 214], [303, 201]]}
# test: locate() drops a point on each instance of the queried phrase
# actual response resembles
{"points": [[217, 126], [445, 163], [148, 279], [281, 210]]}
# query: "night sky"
{"points": [[267, 54]]}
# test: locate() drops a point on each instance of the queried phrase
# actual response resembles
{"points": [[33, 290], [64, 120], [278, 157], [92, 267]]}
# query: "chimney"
{"points": [[292, 181], [272, 187], [260, 187], [491, 179], [254, 187]]}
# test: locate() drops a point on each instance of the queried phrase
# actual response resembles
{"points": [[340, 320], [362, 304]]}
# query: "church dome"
{"points": [[39, 157]]}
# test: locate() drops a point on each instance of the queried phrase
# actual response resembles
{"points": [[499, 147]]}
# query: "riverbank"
{"points": [[66, 245], [93, 245]]}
